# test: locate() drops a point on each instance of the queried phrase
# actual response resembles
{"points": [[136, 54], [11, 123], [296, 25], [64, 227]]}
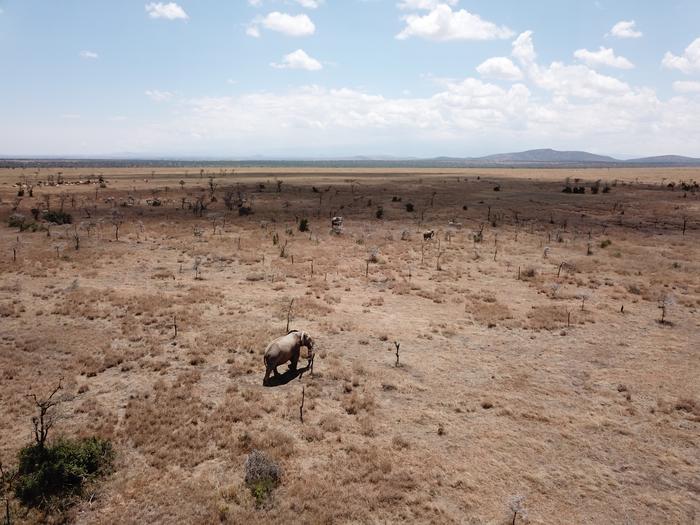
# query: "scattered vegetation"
{"points": [[262, 476], [58, 217]]}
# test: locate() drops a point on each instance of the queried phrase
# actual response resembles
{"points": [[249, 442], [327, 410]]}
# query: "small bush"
{"points": [[262, 475], [16, 220], [409, 207], [58, 217], [244, 210], [380, 213], [304, 225], [49, 474], [605, 243], [529, 273]]}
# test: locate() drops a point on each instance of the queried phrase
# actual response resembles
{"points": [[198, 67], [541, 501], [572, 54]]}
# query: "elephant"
{"points": [[286, 348]]}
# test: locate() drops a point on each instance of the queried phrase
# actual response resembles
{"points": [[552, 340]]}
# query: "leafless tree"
{"points": [[117, 220], [47, 414]]}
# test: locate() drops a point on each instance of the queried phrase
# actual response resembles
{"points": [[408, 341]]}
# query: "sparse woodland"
{"points": [[534, 361]]}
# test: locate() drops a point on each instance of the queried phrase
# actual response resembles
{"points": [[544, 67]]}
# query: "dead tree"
{"points": [[397, 345], [301, 406], [76, 238], [117, 221], [47, 417], [289, 314]]}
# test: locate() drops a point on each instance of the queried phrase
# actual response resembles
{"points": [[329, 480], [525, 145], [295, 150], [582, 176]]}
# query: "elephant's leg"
{"points": [[294, 361], [267, 376], [275, 371]]}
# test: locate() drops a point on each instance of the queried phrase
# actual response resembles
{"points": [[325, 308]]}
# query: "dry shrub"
{"points": [[366, 426], [163, 274], [274, 442], [528, 274], [310, 308], [547, 317], [488, 310], [330, 423], [689, 406], [262, 475], [358, 402], [84, 303], [8, 309], [434, 296], [399, 442], [311, 433]]}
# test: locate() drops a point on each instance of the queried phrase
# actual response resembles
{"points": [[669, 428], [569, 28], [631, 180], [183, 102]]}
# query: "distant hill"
{"points": [[666, 160], [545, 156], [535, 158]]}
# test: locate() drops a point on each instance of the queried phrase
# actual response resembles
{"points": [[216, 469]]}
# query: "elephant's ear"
{"points": [[302, 337]]}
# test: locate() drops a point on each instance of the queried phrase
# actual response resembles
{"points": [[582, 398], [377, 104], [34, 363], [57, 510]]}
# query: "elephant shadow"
{"points": [[287, 376]]}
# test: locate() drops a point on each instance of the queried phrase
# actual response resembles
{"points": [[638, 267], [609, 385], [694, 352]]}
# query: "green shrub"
{"points": [[48, 475], [304, 225], [16, 220], [409, 207], [605, 243], [58, 217], [379, 213]]}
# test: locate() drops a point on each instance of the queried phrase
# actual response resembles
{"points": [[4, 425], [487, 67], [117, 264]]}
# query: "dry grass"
{"points": [[496, 373]]}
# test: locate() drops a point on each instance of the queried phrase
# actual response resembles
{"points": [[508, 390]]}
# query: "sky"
{"points": [[332, 78]]}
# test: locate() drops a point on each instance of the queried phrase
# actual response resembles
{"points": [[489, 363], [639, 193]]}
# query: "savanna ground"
{"points": [[518, 376]]}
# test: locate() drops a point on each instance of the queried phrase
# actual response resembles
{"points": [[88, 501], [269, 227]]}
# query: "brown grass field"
{"points": [[532, 363]]}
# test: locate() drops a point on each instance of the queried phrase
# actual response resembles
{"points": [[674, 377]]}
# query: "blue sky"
{"points": [[242, 78]]}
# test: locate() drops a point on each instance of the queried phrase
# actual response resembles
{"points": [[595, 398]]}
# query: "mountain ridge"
{"points": [[534, 158]]}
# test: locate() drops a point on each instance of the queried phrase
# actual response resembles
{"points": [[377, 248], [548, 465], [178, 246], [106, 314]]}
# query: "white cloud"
{"points": [[688, 62], [290, 25], [625, 29], [605, 56], [159, 96], [89, 55], [561, 79], [524, 49], [577, 81], [310, 4], [442, 23], [429, 5], [169, 11], [117, 118], [686, 86], [298, 60], [253, 30], [500, 68]]}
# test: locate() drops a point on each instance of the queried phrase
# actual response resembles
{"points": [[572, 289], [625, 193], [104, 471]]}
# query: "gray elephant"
{"points": [[286, 348]]}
